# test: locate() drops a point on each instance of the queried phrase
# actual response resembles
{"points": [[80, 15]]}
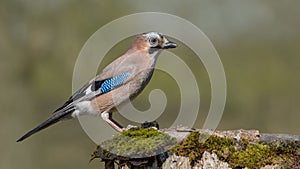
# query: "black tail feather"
{"points": [[52, 120]]}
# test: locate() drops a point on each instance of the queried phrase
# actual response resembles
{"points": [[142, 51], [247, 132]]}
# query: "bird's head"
{"points": [[153, 42]]}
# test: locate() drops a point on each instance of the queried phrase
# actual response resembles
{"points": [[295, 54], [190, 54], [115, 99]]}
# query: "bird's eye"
{"points": [[153, 41]]}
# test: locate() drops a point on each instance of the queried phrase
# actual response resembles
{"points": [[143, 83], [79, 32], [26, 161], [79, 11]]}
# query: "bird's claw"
{"points": [[129, 127], [152, 124]]}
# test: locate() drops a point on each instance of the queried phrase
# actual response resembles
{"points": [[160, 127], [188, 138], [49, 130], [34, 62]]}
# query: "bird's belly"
{"points": [[84, 108]]}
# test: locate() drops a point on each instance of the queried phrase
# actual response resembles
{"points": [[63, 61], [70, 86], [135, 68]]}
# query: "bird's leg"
{"points": [[108, 118]]}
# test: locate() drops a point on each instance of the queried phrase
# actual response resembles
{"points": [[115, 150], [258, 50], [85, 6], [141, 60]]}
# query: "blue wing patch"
{"points": [[114, 82]]}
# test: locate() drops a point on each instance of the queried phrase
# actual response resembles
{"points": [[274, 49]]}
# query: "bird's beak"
{"points": [[168, 45]]}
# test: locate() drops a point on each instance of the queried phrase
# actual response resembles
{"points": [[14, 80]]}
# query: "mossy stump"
{"points": [[135, 148], [149, 148]]}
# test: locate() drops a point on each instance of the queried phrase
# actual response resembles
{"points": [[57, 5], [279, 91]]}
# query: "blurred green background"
{"points": [[258, 43]]}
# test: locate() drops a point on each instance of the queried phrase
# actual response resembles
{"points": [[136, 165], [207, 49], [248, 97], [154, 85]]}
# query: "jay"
{"points": [[120, 81]]}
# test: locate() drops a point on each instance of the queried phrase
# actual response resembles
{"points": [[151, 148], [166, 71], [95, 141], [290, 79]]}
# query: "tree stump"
{"points": [[199, 148]]}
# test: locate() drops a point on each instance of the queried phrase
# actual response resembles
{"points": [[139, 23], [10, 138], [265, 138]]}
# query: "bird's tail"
{"points": [[52, 120]]}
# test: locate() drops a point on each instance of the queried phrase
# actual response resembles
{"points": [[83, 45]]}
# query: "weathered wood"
{"points": [[208, 161], [265, 137]]}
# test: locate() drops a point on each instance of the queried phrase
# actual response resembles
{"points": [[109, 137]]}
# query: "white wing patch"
{"points": [[88, 90]]}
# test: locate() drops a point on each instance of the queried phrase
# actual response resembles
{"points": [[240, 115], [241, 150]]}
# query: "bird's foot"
{"points": [[130, 127], [152, 124], [146, 124]]}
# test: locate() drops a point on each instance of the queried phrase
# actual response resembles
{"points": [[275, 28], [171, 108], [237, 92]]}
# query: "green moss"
{"points": [[253, 156], [238, 153], [190, 147], [194, 149], [286, 147], [141, 133], [219, 145], [287, 152], [137, 143]]}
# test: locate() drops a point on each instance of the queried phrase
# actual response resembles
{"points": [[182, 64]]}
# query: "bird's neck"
{"points": [[153, 57]]}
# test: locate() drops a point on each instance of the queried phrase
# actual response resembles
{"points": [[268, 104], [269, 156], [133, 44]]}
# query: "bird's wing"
{"points": [[96, 87], [113, 75]]}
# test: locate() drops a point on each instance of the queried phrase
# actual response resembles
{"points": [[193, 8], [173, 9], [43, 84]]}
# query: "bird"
{"points": [[119, 82]]}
